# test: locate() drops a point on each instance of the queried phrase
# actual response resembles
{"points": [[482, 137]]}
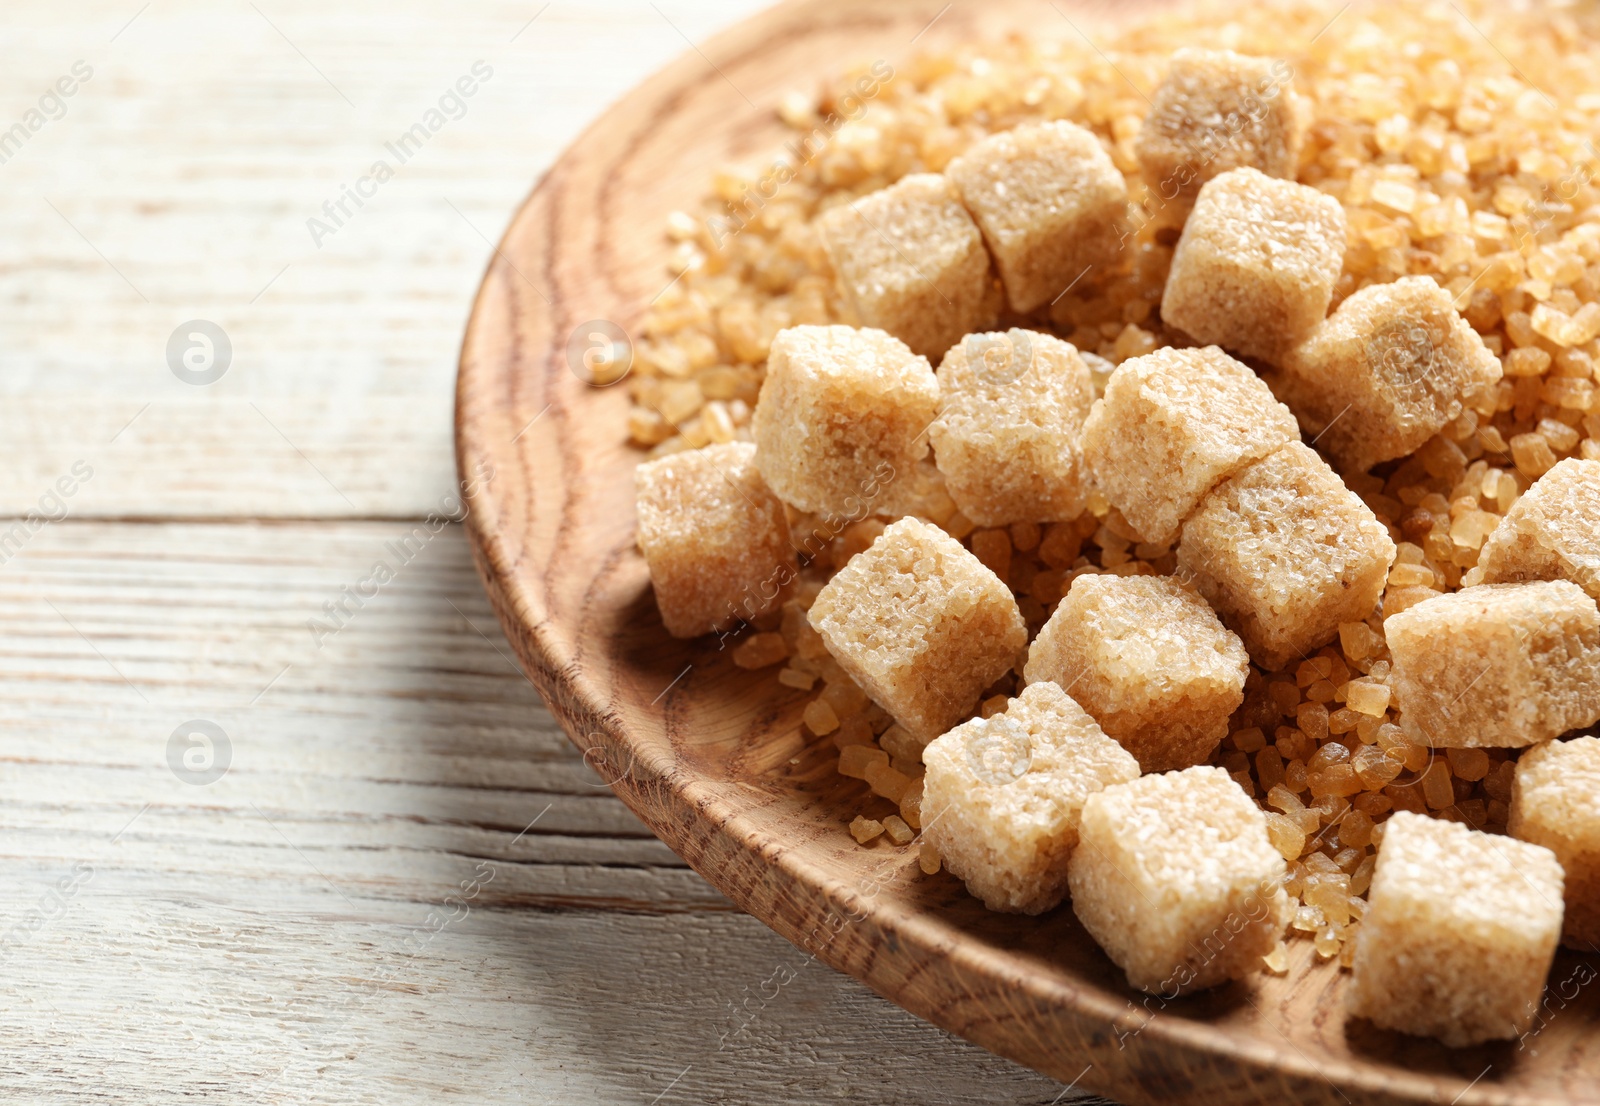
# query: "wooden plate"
{"points": [[712, 757]]}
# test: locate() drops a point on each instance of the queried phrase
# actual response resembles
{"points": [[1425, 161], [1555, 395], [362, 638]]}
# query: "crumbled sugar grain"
{"points": [[887, 782], [716, 540], [1367, 698], [1459, 934], [760, 651], [865, 829], [856, 761], [819, 718], [1176, 879], [1149, 660], [793, 677], [911, 804], [897, 830], [1003, 796]]}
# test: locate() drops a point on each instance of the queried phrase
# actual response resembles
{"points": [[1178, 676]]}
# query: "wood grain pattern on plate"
{"points": [[713, 759]]}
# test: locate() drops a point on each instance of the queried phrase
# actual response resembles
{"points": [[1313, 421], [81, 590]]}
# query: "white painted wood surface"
{"points": [[407, 887]]}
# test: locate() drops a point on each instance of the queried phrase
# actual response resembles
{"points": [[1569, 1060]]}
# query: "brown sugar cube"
{"points": [[1008, 438], [1555, 802], [1175, 877], [1174, 424], [1051, 205], [1255, 266], [1002, 796], [842, 420], [715, 538], [1385, 372], [1284, 553], [1552, 532], [911, 261], [1459, 935], [1149, 660], [920, 625], [1496, 665], [1215, 111]]}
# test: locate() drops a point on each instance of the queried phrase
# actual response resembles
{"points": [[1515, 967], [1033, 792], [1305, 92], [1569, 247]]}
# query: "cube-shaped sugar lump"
{"points": [[1002, 796], [1051, 204], [1175, 877], [911, 261], [1148, 658], [1173, 425], [1555, 802], [1460, 932], [1215, 111], [1385, 372], [1255, 266], [1284, 553], [921, 625], [1009, 436], [1496, 665], [715, 538], [842, 420], [1552, 532]]}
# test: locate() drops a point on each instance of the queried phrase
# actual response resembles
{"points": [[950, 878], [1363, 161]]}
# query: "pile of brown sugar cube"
{"points": [[1096, 733]]}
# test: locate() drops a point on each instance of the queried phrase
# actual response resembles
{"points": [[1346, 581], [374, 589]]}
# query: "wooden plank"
{"points": [[284, 932], [178, 185], [146, 989], [176, 456], [344, 725]]}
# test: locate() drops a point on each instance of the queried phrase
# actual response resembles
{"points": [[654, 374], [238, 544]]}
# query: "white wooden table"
{"points": [[406, 887]]}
